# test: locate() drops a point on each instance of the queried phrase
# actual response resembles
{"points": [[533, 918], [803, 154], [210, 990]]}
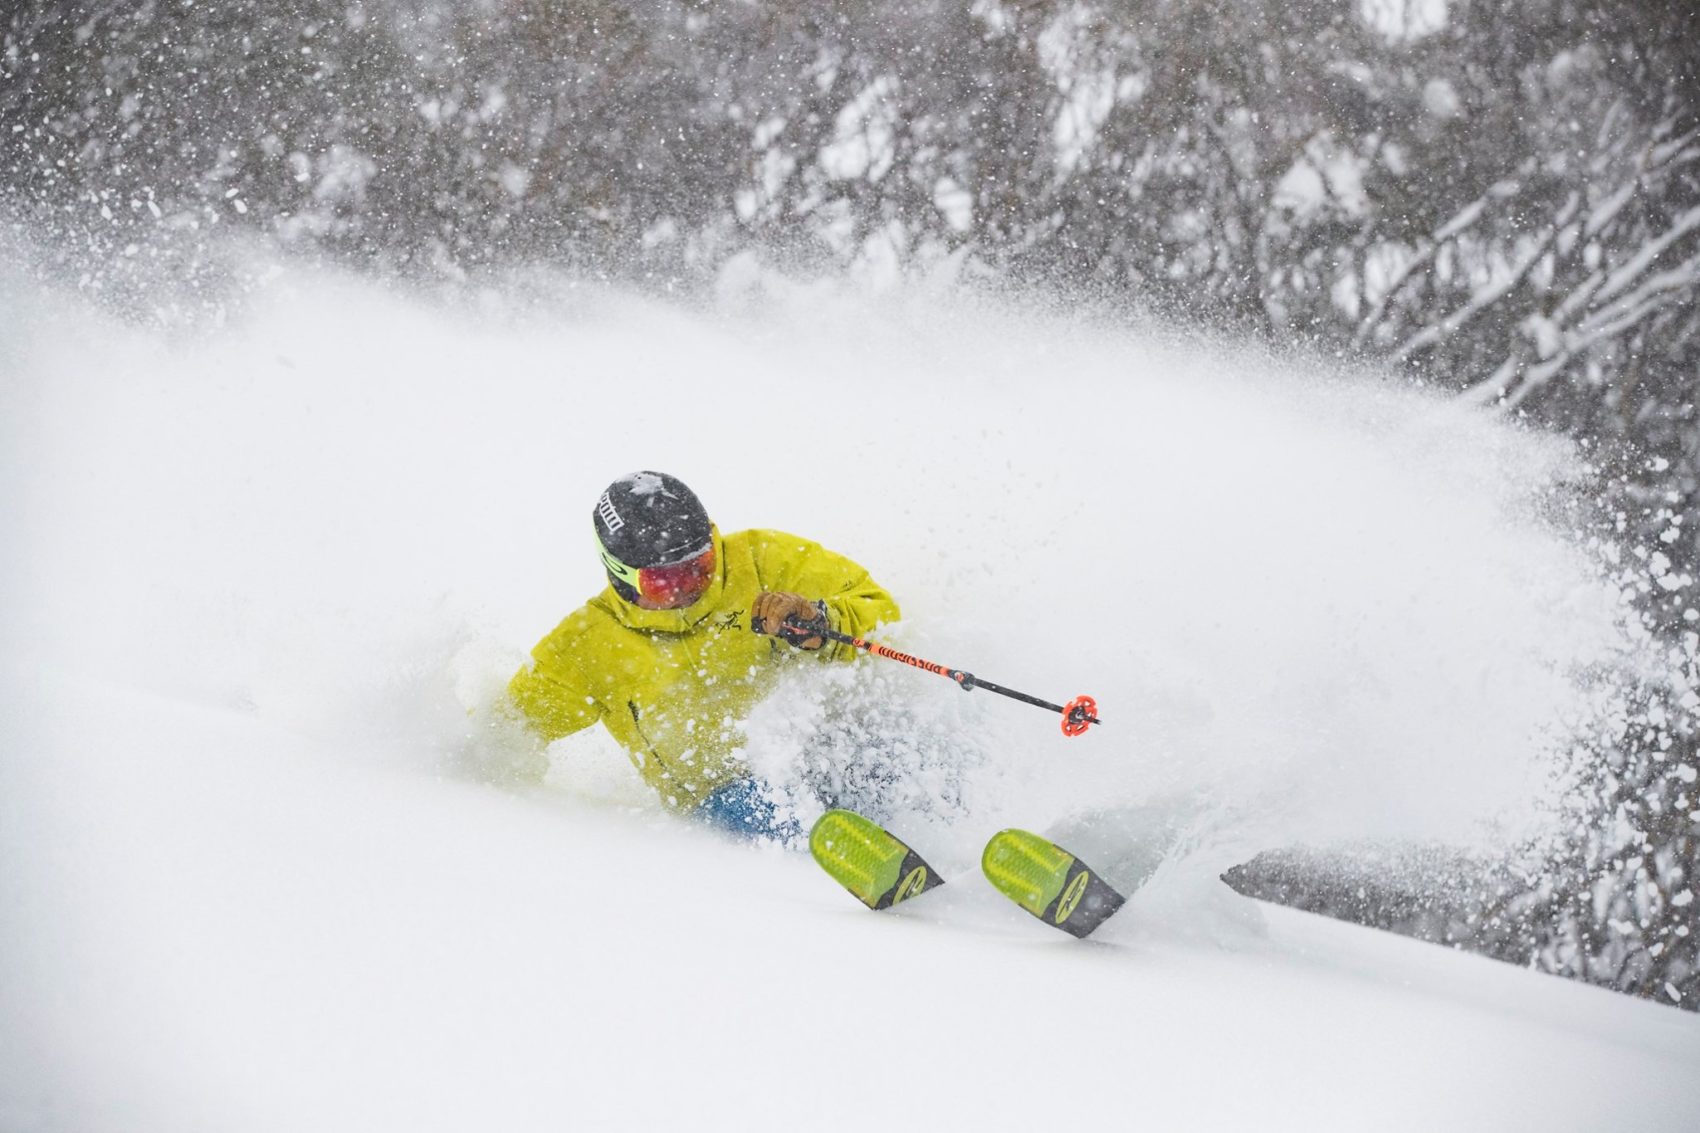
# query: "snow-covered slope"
{"points": [[261, 584]]}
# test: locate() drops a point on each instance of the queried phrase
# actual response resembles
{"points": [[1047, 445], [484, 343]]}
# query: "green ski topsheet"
{"points": [[1048, 882], [865, 858]]}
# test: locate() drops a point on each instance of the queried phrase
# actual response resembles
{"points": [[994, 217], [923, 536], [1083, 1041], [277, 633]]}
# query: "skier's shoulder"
{"points": [[762, 542], [585, 625]]}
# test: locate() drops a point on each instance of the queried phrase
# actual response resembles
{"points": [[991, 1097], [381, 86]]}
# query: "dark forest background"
{"points": [[1498, 199]]}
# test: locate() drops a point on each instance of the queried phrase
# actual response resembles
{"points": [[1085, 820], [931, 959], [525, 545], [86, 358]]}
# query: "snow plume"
{"points": [[1312, 606]]}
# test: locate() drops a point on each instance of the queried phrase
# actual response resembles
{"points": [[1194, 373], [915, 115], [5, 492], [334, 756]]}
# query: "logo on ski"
{"points": [[915, 883], [1071, 897]]}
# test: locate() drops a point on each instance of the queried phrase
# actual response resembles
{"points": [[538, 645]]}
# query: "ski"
{"points": [[881, 870], [877, 867], [1048, 882]]}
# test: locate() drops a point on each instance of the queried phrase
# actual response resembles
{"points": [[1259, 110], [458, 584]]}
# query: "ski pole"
{"points": [[1077, 715]]}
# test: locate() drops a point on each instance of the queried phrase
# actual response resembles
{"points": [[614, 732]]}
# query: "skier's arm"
{"points": [[855, 604], [549, 697], [860, 607]]}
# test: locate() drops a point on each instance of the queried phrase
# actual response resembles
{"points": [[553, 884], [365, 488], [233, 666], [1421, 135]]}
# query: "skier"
{"points": [[665, 656]]}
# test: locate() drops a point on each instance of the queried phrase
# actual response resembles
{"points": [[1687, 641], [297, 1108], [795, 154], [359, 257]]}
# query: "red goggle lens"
{"points": [[677, 584]]}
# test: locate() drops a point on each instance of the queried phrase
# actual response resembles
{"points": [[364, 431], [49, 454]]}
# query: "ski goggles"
{"points": [[668, 586]]}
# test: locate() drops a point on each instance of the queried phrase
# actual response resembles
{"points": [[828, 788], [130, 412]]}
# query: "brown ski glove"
{"points": [[773, 609]]}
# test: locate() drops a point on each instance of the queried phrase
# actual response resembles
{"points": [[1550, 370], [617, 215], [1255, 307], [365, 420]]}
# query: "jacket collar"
{"points": [[672, 621]]}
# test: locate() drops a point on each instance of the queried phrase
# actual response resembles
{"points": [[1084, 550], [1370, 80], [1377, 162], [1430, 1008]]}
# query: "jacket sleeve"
{"points": [[550, 697], [855, 603]]}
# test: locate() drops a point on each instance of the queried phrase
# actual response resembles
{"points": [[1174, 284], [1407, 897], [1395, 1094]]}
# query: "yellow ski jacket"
{"points": [[673, 686]]}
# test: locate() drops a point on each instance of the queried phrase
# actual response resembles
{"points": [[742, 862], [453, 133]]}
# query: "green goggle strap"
{"points": [[626, 574]]}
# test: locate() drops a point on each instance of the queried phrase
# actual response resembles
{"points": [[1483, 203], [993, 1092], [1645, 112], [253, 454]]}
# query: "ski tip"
{"points": [[1028, 869], [1048, 881], [839, 834], [876, 867]]}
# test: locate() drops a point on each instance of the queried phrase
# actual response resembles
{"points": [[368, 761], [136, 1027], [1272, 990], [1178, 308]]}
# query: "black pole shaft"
{"points": [[1013, 695], [966, 680]]}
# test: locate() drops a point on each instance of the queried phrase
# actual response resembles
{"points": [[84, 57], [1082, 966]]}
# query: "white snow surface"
{"points": [[261, 585]]}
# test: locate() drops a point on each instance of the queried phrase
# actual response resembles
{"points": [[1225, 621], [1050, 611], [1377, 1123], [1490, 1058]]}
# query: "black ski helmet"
{"points": [[649, 519]]}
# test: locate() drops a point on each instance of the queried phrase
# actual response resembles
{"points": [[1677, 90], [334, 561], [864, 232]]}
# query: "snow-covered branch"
{"points": [[1487, 296], [1625, 275], [1460, 221], [1514, 380]]}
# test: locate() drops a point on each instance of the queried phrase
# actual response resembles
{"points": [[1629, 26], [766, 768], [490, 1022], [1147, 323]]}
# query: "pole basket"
{"points": [[1078, 715]]}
